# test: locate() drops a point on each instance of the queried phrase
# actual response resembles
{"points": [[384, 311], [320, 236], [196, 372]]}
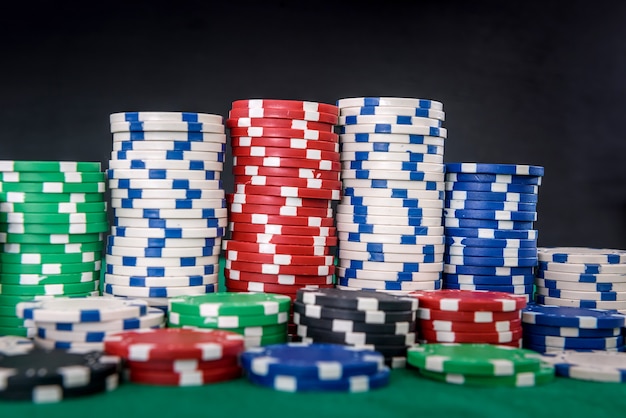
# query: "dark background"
{"points": [[536, 82]]}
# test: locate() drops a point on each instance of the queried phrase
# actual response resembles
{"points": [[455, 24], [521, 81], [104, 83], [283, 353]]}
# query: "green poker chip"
{"points": [[235, 303], [53, 187], [53, 218], [50, 269], [18, 331], [259, 331], [12, 300], [51, 248], [66, 177], [43, 279], [231, 321], [8, 311], [50, 289], [473, 359], [544, 375], [49, 258], [42, 228], [50, 238], [21, 197], [49, 166], [265, 340], [54, 208], [14, 321]]}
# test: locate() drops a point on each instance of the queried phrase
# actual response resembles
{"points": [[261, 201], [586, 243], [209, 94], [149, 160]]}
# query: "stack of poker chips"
{"points": [[489, 214], [549, 328], [582, 277], [261, 318], [52, 220], [178, 357], [83, 323], [168, 203], [363, 319], [302, 367], [483, 365], [469, 316], [49, 376], [389, 220]]}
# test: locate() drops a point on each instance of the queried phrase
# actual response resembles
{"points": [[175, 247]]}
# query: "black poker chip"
{"points": [[347, 325], [370, 317], [354, 338], [359, 300]]}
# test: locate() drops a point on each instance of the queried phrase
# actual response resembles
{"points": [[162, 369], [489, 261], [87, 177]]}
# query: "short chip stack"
{"points": [[582, 277], [362, 319], [178, 357], [595, 366], [483, 365], [52, 220], [261, 318], [302, 367], [489, 215], [389, 221], [469, 316], [83, 323], [49, 376], [556, 328], [168, 202]]}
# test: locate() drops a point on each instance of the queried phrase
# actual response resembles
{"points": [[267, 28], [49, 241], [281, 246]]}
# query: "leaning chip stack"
{"points": [[469, 316], [286, 172], [489, 214], [550, 328], [83, 323], [178, 357], [483, 365], [261, 318], [302, 367], [582, 277], [389, 220], [168, 203], [363, 319], [49, 376], [52, 220]]}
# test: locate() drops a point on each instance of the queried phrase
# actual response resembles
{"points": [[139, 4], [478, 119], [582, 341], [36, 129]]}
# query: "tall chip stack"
{"points": [[489, 215], [168, 204], [389, 220], [52, 224], [286, 172]]}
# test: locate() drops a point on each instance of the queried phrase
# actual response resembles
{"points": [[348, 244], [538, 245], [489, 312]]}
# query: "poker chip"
{"points": [[284, 105], [246, 122], [226, 321], [595, 366], [183, 365], [523, 379], [480, 316], [284, 113], [183, 378], [389, 110], [459, 300]]}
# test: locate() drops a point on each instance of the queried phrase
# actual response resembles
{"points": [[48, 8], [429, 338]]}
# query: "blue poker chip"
{"points": [[492, 196], [501, 215], [549, 350], [600, 343], [486, 270], [515, 289], [493, 178], [491, 187], [572, 331], [490, 251], [461, 260], [490, 205], [565, 316], [486, 224], [510, 280], [512, 169], [492, 243], [492, 233]]}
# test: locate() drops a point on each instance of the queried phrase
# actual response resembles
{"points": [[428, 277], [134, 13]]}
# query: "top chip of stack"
{"points": [[390, 218]]}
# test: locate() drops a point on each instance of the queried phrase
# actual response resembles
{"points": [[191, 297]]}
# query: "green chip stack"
{"points": [[260, 317], [53, 217]]}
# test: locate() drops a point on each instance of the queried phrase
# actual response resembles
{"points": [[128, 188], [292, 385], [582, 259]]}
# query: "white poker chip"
{"points": [[166, 126], [163, 261], [141, 203], [150, 164], [171, 213], [164, 243], [168, 155], [14, 345], [388, 119], [391, 257], [391, 219], [389, 101], [581, 286], [392, 147], [165, 116], [581, 255], [409, 175], [180, 281], [583, 277], [169, 136], [393, 184], [391, 138], [166, 145], [390, 239], [351, 204], [168, 232], [596, 366], [392, 248], [74, 310], [151, 174], [170, 193], [367, 158], [395, 111], [587, 268]]}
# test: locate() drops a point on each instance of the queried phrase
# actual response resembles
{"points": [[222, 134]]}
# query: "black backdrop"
{"points": [[537, 82]]}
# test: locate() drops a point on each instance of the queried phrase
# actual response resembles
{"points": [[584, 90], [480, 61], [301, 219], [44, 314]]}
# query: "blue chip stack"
{"points": [[582, 277], [549, 328], [169, 205], [389, 221], [489, 214]]}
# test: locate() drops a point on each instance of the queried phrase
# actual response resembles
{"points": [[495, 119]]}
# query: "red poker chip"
{"points": [[287, 191], [309, 154], [288, 182], [258, 131], [475, 317], [471, 337], [280, 210], [321, 270], [286, 104], [469, 300], [281, 279], [245, 286], [288, 143], [264, 219], [174, 343], [278, 123], [275, 249], [298, 173], [284, 239], [453, 326], [276, 200], [182, 365], [277, 113], [280, 259], [190, 378], [282, 229], [279, 162]]}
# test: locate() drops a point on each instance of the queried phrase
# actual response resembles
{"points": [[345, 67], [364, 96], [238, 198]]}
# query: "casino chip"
{"points": [[489, 214], [52, 217], [393, 177], [596, 366], [167, 195]]}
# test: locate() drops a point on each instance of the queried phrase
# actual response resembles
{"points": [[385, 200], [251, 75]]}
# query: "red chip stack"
{"points": [[286, 170]]}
